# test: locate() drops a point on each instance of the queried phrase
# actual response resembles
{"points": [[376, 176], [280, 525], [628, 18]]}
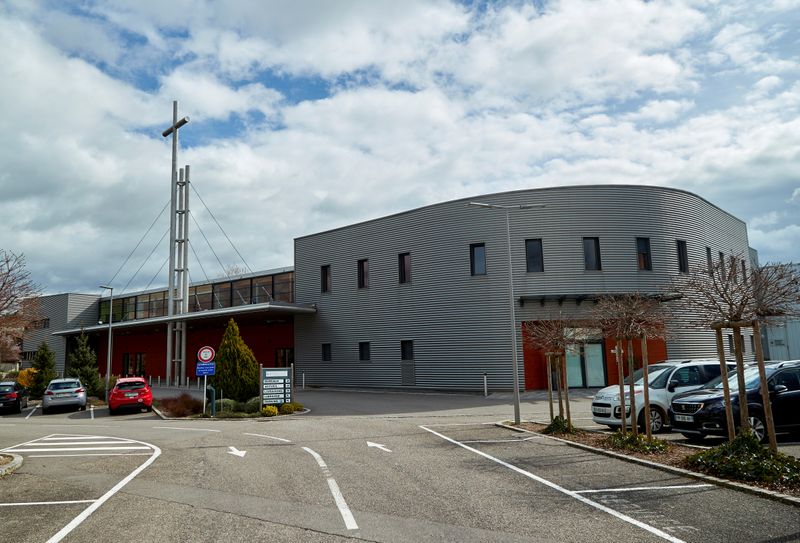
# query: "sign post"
{"points": [[276, 386], [205, 367]]}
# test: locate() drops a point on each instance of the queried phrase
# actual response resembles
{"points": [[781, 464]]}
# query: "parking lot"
{"points": [[380, 467]]}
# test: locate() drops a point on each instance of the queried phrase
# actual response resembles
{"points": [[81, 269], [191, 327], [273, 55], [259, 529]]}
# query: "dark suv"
{"points": [[699, 413]]}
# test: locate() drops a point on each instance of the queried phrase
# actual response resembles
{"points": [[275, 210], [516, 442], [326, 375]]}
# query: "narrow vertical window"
{"points": [[709, 261], [404, 267], [326, 352], [533, 255], [744, 271], [591, 254], [325, 278], [683, 256], [643, 257], [734, 270], [722, 273], [363, 273], [407, 350], [477, 259], [753, 343], [730, 343], [363, 351]]}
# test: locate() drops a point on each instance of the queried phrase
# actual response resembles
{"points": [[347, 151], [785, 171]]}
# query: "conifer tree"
{"points": [[44, 362], [82, 363], [237, 368]]}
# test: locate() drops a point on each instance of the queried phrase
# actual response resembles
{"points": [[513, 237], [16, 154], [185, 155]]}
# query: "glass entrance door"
{"points": [[595, 368]]}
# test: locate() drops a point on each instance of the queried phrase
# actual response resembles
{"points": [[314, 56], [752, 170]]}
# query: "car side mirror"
{"points": [[777, 389], [672, 384]]}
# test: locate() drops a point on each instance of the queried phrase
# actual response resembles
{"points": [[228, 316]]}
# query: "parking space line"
{"points": [[87, 454], [621, 516], [31, 413], [181, 428], [269, 437], [61, 437], [632, 489], [344, 510], [78, 449], [503, 440], [45, 503], [91, 411]]}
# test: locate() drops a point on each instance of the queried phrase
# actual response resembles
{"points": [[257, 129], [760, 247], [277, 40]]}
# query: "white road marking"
{"points": [[67, 438], [378, 446], [91, 411], [103, 442], [652, 529], [26, 443], [269, 437], [78, 449], [105, 497], [31, 413], [236, 452], [88, 454], [347, 516], [502, 440], [45, 503], [630, 489], [181, 428]]}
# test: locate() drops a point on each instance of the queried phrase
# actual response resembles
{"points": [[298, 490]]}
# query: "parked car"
{"points": [[700, 413], [130, 392], [13, 396], [667, 378], [67, 392]]}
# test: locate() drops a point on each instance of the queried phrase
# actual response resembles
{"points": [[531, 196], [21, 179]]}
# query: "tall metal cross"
{"points": [[173, 130]]}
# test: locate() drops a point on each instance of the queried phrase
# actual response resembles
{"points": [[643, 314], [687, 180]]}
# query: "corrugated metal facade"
{"points": [[64, 311], [459, 323]]}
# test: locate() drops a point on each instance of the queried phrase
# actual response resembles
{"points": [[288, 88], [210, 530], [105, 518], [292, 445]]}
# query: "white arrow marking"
{"points": [[237, 452], [378, 445]]}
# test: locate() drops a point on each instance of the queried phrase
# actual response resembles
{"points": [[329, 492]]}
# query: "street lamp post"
{"points": [[110, 320], [515, 363]]}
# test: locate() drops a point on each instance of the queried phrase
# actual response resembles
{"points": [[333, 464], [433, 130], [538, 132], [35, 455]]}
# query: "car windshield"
{"points": [[64, 385], [136, 385], [6, 388], [751, 379], [653, 373]]}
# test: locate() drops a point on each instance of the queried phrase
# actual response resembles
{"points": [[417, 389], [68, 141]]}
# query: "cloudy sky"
{"points": [[316, 114]]}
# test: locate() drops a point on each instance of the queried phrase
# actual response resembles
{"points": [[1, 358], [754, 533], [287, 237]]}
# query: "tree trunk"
{"points": [[566, 388], [631, 387], [621, 376], [560, 387], [550, 385], [765, 400], [744, 418], [646, 376], [726, 389]]}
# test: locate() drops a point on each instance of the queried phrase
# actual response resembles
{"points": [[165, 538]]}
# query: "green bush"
{"points": [[44, 362], [182, 406], [636, 443], [235, 415], [745, 459], [226, 404], [82, 364], [559, 426], [296, 406], [253, 405], [269, 411], [237, 368], [286, 409], [11, 375]]}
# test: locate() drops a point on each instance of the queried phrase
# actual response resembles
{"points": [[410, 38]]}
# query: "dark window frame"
{"points": [[644, 254], [534, 255], [325, 278], [363, 273], [326, 352], [364, 354], [404, 268], [588, 259], [473, 269], [407, 349], [709, 261], [683, 256]]}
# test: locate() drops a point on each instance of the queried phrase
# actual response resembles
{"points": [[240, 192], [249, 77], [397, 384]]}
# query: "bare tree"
{"points": [[556, 336], [632, 316], [19, 306], [725, 295]]}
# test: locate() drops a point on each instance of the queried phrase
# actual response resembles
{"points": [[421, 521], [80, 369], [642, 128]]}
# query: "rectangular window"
{"points": [[242, 294], [407, 349], [284, 358], [222, 295], [283, 287], [709, 261], [404, 267], [533, 255], [591, 254], [477, 259], [734, 270], [325, 278], [363, 351], [643, 256], [683, 256], [262, 289], [730, 343], [744, 271], [326, 352], [752, 344], [363, 273], [722, 273]]}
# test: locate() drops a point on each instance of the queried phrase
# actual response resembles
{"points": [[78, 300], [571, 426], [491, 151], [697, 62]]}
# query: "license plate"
{"points": [[131, 395], [684, 418], [63, 394], [601, 410]]}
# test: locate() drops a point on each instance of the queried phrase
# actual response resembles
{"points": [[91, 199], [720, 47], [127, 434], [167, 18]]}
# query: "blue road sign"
{"points": [[205, 368]]}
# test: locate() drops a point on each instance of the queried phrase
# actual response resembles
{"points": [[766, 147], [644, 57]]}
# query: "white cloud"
{"points": [[661, 111]]}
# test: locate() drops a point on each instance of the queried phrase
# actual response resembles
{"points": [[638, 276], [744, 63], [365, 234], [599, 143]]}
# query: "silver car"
{"points": [[64, 392]]}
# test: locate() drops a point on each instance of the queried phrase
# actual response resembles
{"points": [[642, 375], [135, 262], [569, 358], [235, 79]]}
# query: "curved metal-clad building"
{"points": [[421, 298]]}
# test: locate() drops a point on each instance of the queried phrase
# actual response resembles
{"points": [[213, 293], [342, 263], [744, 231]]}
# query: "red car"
{"points": [[130, 392]]}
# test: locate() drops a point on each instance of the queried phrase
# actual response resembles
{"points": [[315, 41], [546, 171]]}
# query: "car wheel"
{"points": [[82, 408], [149, 408], [44, 410], [656, 420], [19, 407], [694, 438], [758, 427]]}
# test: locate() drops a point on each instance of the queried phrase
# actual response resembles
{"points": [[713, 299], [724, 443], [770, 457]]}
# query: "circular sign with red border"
{"points": [[206, 354]]}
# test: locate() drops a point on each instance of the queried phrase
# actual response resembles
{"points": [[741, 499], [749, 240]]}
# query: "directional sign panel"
{"points": [[205, 368], [276, 386]]}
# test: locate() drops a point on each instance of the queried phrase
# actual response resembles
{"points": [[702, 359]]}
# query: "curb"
{"points": [[16, 463], [255, 419], [769, 494]]}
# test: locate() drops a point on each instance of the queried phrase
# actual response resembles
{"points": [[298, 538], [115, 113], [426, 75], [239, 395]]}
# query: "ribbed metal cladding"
{"points": [[460, 324]]}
